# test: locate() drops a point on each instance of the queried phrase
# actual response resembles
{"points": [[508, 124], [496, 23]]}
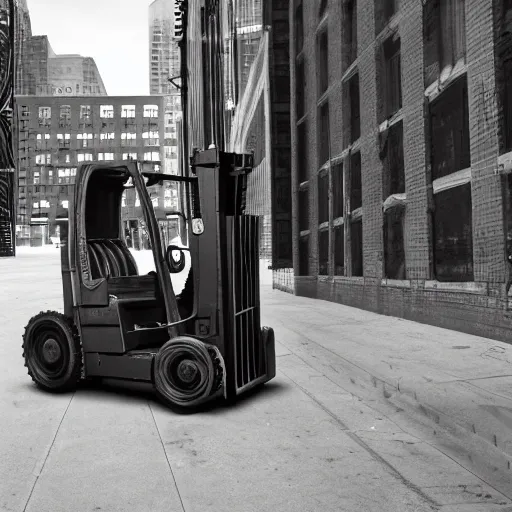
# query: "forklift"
{"points": [[203, 344]]}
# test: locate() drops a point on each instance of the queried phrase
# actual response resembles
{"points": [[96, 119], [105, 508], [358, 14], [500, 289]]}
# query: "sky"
{"points": [[113, 32]]}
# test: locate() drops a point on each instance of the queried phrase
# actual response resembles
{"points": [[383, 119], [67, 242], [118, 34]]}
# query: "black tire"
{"points": [[187, 372], [52, 352]]}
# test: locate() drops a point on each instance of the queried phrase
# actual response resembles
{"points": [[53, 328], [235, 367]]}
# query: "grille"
{"points": [[249, 350]]}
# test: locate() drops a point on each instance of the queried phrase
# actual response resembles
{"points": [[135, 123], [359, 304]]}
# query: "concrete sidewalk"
{"points": [[457, 387]]}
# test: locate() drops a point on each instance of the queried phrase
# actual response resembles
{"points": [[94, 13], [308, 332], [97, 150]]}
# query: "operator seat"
{"points": [[110, 258]]}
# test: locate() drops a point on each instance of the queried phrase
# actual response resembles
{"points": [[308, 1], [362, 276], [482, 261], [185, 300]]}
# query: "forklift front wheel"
{"points": [[52, 352]]}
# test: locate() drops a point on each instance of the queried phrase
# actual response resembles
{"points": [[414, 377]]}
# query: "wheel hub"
{"points": [[187, 370], [51, 351]]}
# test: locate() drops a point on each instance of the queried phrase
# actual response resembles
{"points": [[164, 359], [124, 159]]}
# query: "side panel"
{"points": [[129, 366]]}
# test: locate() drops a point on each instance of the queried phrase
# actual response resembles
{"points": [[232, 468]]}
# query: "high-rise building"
{"points": [[56, 134], [44, 73]]}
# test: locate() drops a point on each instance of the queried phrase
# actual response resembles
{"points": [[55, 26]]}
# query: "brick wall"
{"points": [[479, 307]]}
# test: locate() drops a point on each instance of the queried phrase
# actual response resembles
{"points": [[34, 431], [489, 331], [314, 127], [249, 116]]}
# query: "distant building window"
{"points": [[356, 193], [65, 113], [323, 134], [356, 247], [25, 111], [45, 159], [45, 112], [129, 156], [84, 139], [128, 139], [392, 154], [323, 252], [85, 157], [150, 138], [128, 111], [107, 111], [154, 156], [151, 111], [85, 111], [64, 175], [106, 156], [394, 250], [64, 140], [339, 250], [37, 177]]}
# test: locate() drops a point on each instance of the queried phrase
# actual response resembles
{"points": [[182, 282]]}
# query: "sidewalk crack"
{"points": [[166, 457], [47, 454]]}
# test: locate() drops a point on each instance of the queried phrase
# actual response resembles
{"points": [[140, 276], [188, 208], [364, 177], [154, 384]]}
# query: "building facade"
{"points": [[401, 159], [239, 94], [44, 73], [56, 134]]}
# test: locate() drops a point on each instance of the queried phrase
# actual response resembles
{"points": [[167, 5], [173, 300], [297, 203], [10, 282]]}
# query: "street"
{"points": [[305, 442]]}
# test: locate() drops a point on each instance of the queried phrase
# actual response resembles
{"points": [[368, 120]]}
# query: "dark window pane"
{"points": [[323, 252], [303, 256], [453, 238], [394, 252], [356, 247], [323, 67], [356, 196], [303, 210], [299, 88], [302, 152], [284, 240], [323, 198], [323, 134], [393, 152], [337, 191], [393, 76], [507, 105], [283, 195], [450, 131], [355, 115], [299, 28], [339, 250]]}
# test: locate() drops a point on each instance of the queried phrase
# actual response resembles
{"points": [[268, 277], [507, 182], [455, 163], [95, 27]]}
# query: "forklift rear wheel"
{"points": [[52, 352]]}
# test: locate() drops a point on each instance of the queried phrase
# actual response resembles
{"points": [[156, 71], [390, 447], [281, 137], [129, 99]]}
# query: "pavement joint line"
{"points": [[367, 448], [166, 456], [48, 453], [476, 378]]}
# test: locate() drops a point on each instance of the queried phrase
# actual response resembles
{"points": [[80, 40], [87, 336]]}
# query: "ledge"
{"points": [[466, 287], [396, 283], [455, 179], [446, 77]]}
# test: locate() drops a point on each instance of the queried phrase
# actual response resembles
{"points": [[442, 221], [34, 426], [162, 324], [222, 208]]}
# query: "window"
{"points": [[64, 140], [45, 159], [337, 191], [84, 140], [106, 156], [45, 112], [303, 256], [322, 7], [356, 247], [453, 238], [356, 196], [25, 111], [128, 139], [152, 157], [390, 89], [150, 138], [65, 204], [444, 37], [50, 177], [339, 250], [85, 112], [129, 156], [128, 111], [323, 66], [107, 111], [65, 115], [302, 163], [37, 178], [351, 93], [323, 134], [299, 28], [323, 252], [384, 10], [450, 150], [64, 175], [505, 88], [323, 197], [84, 157], [108, 138], [394, 252], [349, 33], [392, 154], [303, 205], [300, 84], [151, 111], [45, 204]]}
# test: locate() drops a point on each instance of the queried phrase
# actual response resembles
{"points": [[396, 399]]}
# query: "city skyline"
{"points": [[121, 55]]}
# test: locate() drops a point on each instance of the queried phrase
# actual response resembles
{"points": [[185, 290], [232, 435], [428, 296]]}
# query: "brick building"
{"points": [[401, 170], [56, 134]]}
